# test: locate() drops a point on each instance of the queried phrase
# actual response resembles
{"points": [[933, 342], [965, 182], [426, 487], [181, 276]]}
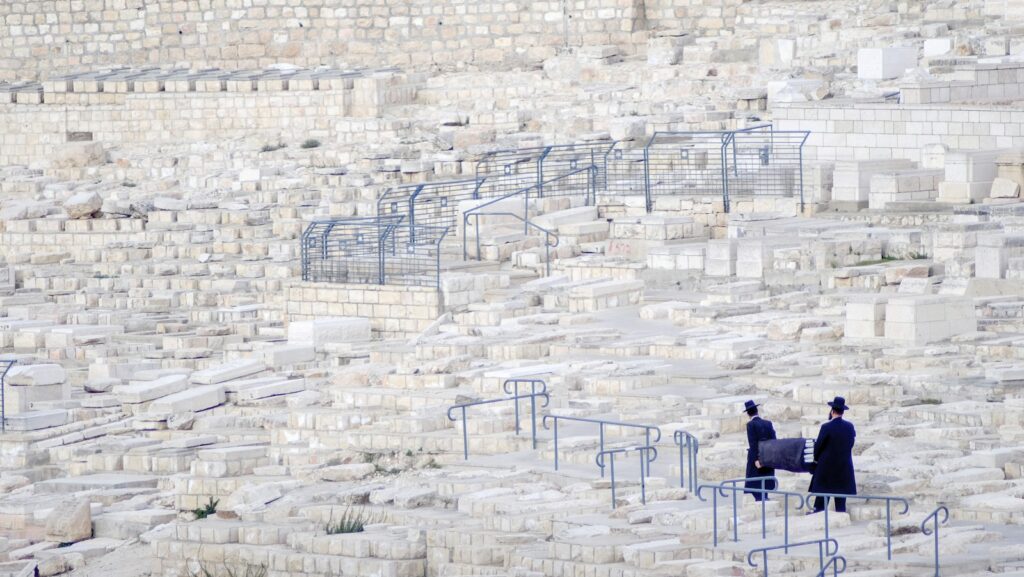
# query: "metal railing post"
{"points": [[515, 399], [648, 454], [934, 518], [647, 174], [827, 497], [556, 444], [3, 394], [826, 548]]}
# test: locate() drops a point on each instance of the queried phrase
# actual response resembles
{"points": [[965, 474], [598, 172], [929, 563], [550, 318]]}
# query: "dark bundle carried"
{"points": [[793, 455]]}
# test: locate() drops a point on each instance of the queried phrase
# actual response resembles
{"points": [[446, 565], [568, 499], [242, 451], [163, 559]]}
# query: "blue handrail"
{"points": [[866, 498], [533, 408], [601, 424], [934, 518], [732, 486], [476, 219], [533, 391], [3, 386], [647, 453], [834, 563], [826, 548], [688, 446]]}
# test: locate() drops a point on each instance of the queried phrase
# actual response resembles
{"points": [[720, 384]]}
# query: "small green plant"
{"points": [[369, 457], [310, 143], [206, 510], [930, 401], [273, 147], [408, 452], [128, 184], [248, 570], [432, 464], [351, 521]]}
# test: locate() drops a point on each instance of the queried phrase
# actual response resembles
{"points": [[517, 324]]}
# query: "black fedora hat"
{"points": [[839, 404], [749, 405]]}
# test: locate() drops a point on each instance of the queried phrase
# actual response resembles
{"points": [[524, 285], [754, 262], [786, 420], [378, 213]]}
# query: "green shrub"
{"points": [[273, 147], [311, 143], [206, 510], [351, 521]]}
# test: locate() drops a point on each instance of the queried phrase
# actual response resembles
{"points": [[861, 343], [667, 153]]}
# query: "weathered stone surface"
{"points": [[83, 204], [70, 524]]}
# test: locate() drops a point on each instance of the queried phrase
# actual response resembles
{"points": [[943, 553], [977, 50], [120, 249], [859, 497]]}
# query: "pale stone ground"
{"points": [[170, 356]]}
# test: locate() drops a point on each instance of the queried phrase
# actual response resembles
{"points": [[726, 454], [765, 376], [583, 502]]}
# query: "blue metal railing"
{"points": [[647, 453], [547, 234], [511, 387], [688, 446], [837, 563], [6, 366], [732, 485], [601, 425], [826, 548], [934, 518], [888, 511], [515, 399]]}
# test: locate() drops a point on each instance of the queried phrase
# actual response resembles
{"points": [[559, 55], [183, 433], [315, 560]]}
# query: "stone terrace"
{"points": [[184, 401]]}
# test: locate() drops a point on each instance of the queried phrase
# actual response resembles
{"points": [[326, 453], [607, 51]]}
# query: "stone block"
{"points": [[145, 391], [227, 371], [195, 399], [35, 375], [323, 331], [885, 63]]}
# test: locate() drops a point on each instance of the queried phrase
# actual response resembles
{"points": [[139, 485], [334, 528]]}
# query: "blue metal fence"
{"points": [[732, 165], [375, 250]]}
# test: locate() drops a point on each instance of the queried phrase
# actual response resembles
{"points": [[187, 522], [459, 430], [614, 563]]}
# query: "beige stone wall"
{"points": [[31, 132], [843, 130], [38, 37], [394, 311]]}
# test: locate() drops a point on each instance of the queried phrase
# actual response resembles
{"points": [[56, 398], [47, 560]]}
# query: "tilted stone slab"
{"points": [[101, 481], [227, 371], [196, 399], [28, 375], [36, 420], [145, 391]]}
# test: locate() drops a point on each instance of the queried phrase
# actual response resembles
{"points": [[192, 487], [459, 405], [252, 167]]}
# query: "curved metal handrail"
{"points": [[600, 430], [833, 562], [652, 453], [516, 382], [688, 445], [934, 518], [826, 542], [648, 454], [866, 498], [654, 428], [533, 414], [934, 515]]}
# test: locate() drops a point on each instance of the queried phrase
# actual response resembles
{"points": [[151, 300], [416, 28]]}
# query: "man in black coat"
{"points": [[833, 452], [758, 430]]}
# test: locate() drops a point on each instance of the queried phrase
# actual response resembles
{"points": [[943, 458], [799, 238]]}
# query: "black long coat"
{"points": [[758, 430], [833, 452]]}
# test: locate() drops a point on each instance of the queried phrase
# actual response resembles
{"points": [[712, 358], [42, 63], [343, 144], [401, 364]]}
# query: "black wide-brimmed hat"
{"points": [[749, 405], [839, 404]]}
